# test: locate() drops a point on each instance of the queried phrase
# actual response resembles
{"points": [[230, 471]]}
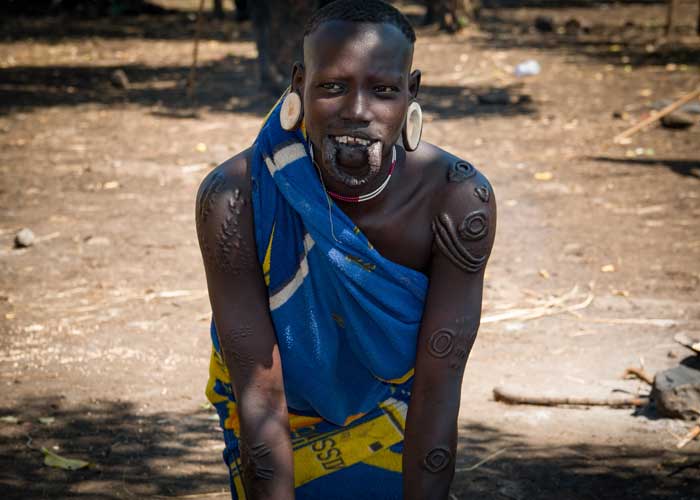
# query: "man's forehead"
{"points": [[332, 37]]}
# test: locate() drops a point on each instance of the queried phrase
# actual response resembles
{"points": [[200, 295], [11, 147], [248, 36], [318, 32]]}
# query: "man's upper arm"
{"points": [[236, 286], [464, 226]]}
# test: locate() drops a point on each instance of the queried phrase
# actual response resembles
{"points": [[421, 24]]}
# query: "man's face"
{"points": [[356, 88]]}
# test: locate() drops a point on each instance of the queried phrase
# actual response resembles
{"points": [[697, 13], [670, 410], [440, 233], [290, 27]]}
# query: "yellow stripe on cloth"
{"points": [[268, 255], [386, 459], [317, 455]]}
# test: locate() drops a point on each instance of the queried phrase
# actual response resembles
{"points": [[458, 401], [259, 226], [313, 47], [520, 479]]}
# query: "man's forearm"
{"points": [[429, 446], [266, 451]]}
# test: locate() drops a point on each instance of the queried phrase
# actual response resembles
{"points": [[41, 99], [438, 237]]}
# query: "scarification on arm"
{"points": [[437, 459], [210, 193], [453, 343], [253, 458], [460, 171], [452, 245], [232, 251]]}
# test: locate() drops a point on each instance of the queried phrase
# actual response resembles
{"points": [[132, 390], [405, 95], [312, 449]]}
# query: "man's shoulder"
{"points": [[463, 207], [451, 178], [229, 179]]}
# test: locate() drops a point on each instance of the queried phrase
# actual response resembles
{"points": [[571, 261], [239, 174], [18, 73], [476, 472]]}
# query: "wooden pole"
{"points": [[193, 68], [657, 116]]}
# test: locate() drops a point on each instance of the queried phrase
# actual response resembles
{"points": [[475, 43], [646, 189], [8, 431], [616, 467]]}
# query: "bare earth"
{"points": [[104, 321]]}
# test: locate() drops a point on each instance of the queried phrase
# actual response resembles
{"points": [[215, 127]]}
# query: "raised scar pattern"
{"points": [[441, 342], [437, 459], [474, 226], [452, 247], [253, 455], [209, 195], [460, 171], [229, 239], [482, 192]]}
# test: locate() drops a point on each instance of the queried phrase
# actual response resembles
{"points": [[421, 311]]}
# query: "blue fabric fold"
{"points": [[345, 317]]}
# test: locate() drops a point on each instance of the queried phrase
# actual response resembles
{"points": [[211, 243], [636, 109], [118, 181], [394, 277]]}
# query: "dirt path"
{"points": [[104, 320]]}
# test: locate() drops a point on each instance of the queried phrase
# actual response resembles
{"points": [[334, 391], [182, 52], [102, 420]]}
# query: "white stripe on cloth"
{"points": [[284, 157], [281, 297]]}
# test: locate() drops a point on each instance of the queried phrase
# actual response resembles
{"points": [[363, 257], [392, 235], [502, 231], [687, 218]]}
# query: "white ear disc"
{"points": [[291, 111], [414, 126]]}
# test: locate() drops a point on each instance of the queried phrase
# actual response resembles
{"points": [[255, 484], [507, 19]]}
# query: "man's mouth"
{"points": [[351, 140], [353, 159]]}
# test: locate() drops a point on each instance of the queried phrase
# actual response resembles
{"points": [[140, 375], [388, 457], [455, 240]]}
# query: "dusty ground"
{"points": [[103, 321]]}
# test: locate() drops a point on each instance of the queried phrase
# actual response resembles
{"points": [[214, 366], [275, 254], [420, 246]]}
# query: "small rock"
{"points": [[678, 120], [572, 27], [24, 238], [97, 240], [676, 392], [119, 79], [495, 97], [692, 107], [544, 24]]}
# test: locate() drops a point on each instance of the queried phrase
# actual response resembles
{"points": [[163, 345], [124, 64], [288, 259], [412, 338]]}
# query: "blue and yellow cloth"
{"points": [[346, 321]]}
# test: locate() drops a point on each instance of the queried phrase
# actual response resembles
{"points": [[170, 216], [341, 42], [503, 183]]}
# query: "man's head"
{"points": [[356, 85]]}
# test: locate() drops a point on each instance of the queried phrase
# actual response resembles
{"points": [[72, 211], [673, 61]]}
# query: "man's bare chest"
{"points": [[403, 235]]}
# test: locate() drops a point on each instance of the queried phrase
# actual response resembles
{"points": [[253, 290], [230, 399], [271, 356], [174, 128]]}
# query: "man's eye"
{"points": [[385, 89], [333, 87]]}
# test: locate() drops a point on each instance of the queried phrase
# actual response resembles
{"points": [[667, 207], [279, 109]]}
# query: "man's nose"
{"points": [[357, 107]]}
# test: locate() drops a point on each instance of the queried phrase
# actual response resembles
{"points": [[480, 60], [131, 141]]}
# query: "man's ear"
{"points": [[414, 83], [298, 74]]}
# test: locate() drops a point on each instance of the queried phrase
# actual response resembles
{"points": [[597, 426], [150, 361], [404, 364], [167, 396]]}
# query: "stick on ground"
{"points": [[657, 116], [510, 397]]}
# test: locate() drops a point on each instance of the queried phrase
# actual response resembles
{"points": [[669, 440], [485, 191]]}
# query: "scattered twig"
{"points": [[505, 396], [692, 434], [663, 323], [482, 461], [195, 52], [550, 307], [657, 116], [194, 495], [639, 373]]}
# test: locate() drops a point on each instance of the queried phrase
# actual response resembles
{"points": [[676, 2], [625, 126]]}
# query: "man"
{"points": [[345, 270]]}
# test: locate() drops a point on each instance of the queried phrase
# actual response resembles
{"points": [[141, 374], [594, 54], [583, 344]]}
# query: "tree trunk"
{"points": [[219, 9], [452, 15], [279, 29]]}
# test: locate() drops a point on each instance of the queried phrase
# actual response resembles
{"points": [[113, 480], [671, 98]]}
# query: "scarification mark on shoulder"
{"points": [[474, 226], [460, 171], [437, 459], [210, 193], [482, 192], [232, 252], [452, 246]]}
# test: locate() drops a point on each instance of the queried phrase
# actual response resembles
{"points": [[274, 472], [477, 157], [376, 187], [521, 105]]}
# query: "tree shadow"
{"points": [[227, 85], [685, 168], [447, 101], [562, 4], [632, 37], [518, 470], [167, 454], [134, 455], [171, 26]]}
